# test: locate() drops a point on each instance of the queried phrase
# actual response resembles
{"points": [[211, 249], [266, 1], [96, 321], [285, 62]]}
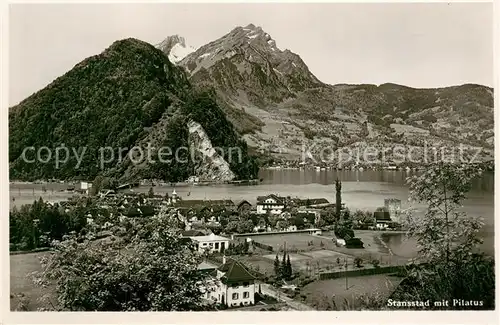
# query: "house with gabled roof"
{"points": [[243, 206], [270, 204], [232, 284]]}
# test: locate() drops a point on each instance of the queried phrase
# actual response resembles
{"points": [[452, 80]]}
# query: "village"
{"points": [[261, 256]]}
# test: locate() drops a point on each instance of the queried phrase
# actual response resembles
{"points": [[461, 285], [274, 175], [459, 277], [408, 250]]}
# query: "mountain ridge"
{"points": [[253, 76]]}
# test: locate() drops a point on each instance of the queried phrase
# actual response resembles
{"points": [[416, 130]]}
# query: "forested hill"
{"points": [[116, 99]]}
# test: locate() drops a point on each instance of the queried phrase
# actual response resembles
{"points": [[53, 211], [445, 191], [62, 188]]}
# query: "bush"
{"points": [[354, 243], [376, 263], [358, 262]]}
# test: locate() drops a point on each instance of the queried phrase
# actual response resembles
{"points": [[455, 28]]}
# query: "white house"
{"points": [[85, 187], [211, 243], [231, 284], [270, 203]]}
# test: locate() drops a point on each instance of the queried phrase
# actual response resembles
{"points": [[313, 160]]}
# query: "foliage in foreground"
{"points": [[452, 267], [154, 271]]}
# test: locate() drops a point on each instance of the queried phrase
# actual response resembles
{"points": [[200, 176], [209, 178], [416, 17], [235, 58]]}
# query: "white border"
{"points": [[392, 317]]}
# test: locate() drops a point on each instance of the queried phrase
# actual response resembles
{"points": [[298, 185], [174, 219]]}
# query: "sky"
{"points": [[420, 45]]}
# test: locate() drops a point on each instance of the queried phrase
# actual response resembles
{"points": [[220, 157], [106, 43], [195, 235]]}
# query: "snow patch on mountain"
{"points": [[179, 52], [176, 48]]}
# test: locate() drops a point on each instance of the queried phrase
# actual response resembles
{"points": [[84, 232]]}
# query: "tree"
{"points": [[272, 220], [338, 197], [343, 229], [158, 272], [363, 217], [246, 246], [244, 226], [443, 188], [283, 267], [277, 267], [298, 221], [36, 225], [97, 185], [288, 268], [328, 217], [358, 262], [282, 224], [231, 227], [216, 228], [452, 267]]}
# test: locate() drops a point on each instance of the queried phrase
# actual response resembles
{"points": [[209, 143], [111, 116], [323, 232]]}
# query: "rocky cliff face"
{"points": [[209, 164], [281, 107]]}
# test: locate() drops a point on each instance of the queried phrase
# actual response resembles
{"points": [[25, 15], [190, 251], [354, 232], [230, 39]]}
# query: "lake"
{"points": [[364, 190]]}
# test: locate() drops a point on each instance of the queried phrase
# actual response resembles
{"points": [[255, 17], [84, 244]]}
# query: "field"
{"points": [[308, 254], [317, 261], [294, 242], [21, 284], [381, 285], [322, 255]]}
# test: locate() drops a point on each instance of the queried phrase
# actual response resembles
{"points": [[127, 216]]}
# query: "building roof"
{"points": [[206, 266], [221, 202], [243, 202], [208, 238], [261, 199], [318, 201], [235, 272], [382, 215], [204, 203]]}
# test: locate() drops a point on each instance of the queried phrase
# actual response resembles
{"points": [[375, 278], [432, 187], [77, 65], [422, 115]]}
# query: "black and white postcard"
{"points": [[249, 158]]}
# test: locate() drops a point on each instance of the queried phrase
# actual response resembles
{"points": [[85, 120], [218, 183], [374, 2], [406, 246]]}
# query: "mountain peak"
{"points": [[254, 35], [250, 26], [175, 47]]}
